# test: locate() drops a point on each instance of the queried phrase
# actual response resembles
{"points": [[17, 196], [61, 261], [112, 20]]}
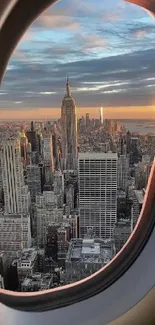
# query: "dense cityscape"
{"points": [[71, 192]]}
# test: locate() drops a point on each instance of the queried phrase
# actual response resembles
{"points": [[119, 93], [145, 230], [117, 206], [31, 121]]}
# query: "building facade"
{"points": [[69, 130], [12, 175], [48, 157], [138, 198], [122, 231], [97, 193], [34, 180], [15, 233], [123, 168]]}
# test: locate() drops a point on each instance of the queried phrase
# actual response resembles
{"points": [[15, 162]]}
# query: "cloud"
{"points": [[140, 31], [107, 50], [139, 34], [20, 55], [126, 79], [58, 22], [47, 93], [111, 16], [28, 36], [91, 42]]}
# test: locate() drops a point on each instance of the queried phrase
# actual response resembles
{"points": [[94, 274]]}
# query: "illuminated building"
{"points": [[101, 115]]}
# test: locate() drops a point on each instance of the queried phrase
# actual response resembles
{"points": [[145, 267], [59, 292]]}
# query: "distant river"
{"points": [[140, 126]]}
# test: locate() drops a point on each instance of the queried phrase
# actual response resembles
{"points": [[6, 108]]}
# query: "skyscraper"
{"points": [[34, 180], [69, 130], [123, 168], [101, 115], [87, 119], [15, 231], [97, 193], [48, 157], [12, 175]]}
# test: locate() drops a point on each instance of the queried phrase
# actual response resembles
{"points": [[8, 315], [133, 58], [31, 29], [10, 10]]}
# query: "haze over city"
{"points": [[106, 49]]}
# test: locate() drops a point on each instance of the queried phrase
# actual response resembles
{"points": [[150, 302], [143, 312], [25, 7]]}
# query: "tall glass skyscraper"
{"points": [[69, 130], [101, 115]]}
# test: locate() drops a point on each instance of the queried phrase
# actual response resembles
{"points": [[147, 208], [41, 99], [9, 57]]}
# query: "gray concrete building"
{"points": [[86, 256]]}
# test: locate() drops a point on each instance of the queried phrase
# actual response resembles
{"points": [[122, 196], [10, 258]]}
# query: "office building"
{"points": [[97, 193], [123, 168], [15, 233], [64, 236], [70, 197], [59, 187], [87, 119], [32, 137], [16, 195], [3, 267], [27, 262], [33, 173], [138, 198], [101, 115], [135, 155], [26, 199], [86, 256], [52, 241], [48, 157], [46, 213], [122, 231], [55, 147]]}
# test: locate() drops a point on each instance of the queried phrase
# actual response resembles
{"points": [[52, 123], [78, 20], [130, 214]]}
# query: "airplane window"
{"points": [[77, 142]]}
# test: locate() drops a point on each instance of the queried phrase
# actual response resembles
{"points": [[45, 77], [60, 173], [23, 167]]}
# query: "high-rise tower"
{"points": [[97, 193], [16, 194], [12, 174], [69, 130], [48, 157], [101, 115]]}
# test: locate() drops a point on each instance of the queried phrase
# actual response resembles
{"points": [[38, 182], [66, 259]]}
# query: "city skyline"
{"points": [[132, 112], [66, 209], [110, 63]]}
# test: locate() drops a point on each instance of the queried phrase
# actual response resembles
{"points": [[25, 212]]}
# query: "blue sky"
{"points": [[106, 48]]}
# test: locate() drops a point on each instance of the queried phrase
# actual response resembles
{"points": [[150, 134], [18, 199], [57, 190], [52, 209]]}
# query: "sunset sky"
{"points": [[106, 48]]}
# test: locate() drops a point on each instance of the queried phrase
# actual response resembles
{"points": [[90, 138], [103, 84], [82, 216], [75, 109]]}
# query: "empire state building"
{"points": [[69, 130]]}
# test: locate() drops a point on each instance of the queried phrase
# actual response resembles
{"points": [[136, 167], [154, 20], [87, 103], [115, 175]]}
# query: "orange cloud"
{"points": [[58, 21], [140, 33]]}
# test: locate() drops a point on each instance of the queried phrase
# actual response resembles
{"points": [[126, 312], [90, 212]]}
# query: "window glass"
{"points": [[77, 141]]}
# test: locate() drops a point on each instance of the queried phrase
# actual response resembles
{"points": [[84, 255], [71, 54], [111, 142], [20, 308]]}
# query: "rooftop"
{"points": [[37, 282], [97, 155], [139, 195], [27, 255], [90, 251]]}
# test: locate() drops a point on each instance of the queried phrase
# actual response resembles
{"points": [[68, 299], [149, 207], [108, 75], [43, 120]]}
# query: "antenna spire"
{"points": [[68, 87]]}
